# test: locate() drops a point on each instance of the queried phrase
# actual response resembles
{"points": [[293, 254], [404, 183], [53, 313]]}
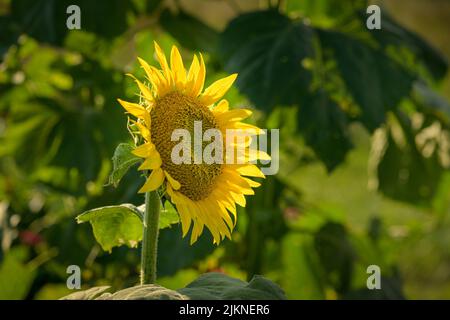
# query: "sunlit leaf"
{"points": [[122, 160]]}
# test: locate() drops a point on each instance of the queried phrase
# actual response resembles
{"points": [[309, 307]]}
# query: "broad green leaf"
{"points": [[122, 224], [268, 49], [385, 81], [123, 160], [46, 20], [190, 32], [408, 159], [222, 287], [115, 225], [393, 34], [209, 286], [325, 128]]}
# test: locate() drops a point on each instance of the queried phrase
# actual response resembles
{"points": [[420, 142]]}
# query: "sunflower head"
{"points": [[204, 193]]}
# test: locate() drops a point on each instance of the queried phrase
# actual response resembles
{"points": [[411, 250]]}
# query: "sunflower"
{"points": [[204, 194]]}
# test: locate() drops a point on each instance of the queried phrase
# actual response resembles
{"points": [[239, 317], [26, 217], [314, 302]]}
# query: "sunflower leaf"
{"points": [[211, 286], [168, 216], [218, 286], [114, 226], [123, 160]]}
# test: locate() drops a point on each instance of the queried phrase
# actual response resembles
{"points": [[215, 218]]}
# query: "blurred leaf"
{"points": [[267, 50], [408, 159], [212, 286], [190, 32], [393, 34], [16, 277], [431, 103], [302, 275], [45, 20], [390, 290], [123, 159], [52, 291], [181, 254], [326, 13], [385, 81], [336, 255], [325, 128]]}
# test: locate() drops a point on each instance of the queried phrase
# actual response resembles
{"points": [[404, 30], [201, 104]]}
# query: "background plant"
{"points": [[356, 108]]}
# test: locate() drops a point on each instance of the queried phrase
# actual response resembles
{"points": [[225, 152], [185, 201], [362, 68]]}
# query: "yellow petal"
{"points": [[254, 155], [185, 218], [145, 132], [161, 57], [221, 107], [163, 86], [248, 128], [178, 71], [250, 170], [151, 162], [252, 183], [174, 183], [147, 94], [154, 181], [216, 91], [196, 231], [154, 80], [136, 110], [200, 79], [144, 150], [192, 76], [238, 198], [234, 115]]}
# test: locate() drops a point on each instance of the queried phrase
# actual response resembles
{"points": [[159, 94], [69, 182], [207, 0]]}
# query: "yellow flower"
{"points": [[204, 194]]}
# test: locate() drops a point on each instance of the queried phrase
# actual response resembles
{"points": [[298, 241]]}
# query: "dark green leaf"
{"points": [[267, 50], [181, 253], [222, 287], [325, 128], [209, 286], [393, 34], [336, 255], [385, 81], [45, 20], [431, 103], [189, 31], [408, 161]]}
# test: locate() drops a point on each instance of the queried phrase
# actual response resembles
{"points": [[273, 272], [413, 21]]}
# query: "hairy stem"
{"points": [[150, 238]]}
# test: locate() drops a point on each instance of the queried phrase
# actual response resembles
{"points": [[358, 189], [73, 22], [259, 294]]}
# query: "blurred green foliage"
{"points": [[355, 108]]}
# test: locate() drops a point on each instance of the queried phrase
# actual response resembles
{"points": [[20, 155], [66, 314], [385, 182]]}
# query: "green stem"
{"points": [[150, 238]]}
